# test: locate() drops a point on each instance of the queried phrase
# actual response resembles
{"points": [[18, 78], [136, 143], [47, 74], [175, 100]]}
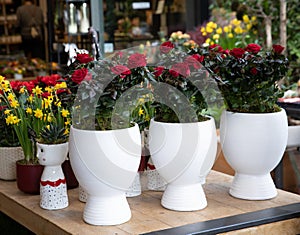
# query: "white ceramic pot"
{"points": [[53, 186], [105, 164], [253, 144], [183, 154]]}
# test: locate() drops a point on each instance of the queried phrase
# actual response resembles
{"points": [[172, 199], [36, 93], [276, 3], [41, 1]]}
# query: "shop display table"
{"points": [[224, 213]]}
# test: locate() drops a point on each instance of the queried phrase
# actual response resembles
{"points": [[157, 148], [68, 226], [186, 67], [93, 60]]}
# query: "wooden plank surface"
{"points": [[147, 213]]}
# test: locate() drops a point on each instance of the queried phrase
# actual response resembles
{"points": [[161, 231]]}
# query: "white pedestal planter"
{"points": [[53, 186], [105, 164], [183, 154], [253, 145]]}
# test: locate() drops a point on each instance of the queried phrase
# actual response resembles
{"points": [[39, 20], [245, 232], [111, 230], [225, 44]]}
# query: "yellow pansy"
{"points": [[65, 113], [38, 113], [37, 90]]}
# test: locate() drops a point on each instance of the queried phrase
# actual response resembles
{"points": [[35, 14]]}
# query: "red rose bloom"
{"points": [[194, 61], [253, 71], [180, 68], [158, 71], [137, 60], [278, 49], [84, 58], [79, 75], [120, 70], [253, 48], [237, 52], [166, 47]]}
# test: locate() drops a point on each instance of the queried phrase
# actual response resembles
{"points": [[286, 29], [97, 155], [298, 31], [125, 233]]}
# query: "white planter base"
{"points": [[184, 197], [111, 210], [253, 187]]}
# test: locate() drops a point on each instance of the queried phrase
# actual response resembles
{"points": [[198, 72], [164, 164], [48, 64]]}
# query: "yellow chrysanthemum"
{"points": [[216, 36], [38, 113], [238, 30], [37, 90], [29, 110], [65, 113], [246, 19], [219, 30], [230, 35]]}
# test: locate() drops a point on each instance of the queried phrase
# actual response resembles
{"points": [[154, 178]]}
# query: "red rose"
{"points": [[79, 75], [137, 60], [278, 49], [120, 70], [216, 47], [253, 48], [253, 71], [180, 68], [237, 52], [158, 71], [166, 47], [194, 61], [84, 58]]}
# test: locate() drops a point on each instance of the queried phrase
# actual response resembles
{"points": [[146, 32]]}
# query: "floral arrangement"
{"points": [[237, 33], [35, 111], [247, 77], [104, 83]]}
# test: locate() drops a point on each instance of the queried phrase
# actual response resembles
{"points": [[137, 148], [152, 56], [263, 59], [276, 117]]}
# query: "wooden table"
{"points": [[280, 215]]}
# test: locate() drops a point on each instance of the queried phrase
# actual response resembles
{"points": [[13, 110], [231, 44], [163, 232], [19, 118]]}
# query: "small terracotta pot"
{"points": [[28, 177]]}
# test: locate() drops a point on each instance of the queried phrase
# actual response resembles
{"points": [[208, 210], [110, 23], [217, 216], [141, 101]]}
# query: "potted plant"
{"points": [[253, 129], [29, 108], [10, 150], [105, 146]]}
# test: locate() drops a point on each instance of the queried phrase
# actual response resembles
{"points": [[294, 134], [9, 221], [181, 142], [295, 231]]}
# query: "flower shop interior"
{"points": [[142, 70]]}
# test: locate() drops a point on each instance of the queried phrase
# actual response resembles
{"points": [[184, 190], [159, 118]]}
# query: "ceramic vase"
{"points": [[53, 186], [105, 164], [253, 144], [183, 154], [8, 158]]}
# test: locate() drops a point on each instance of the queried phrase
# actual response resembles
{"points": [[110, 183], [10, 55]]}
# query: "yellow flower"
{"points": [[11, 120], [253, 18], [207, 40], [58, 104], [202, 30], [209, 29], [249, 26], [226, 29], [49, 89], [2, 79], [22, 90], [48, 127], [204, 33], [29, 110], [68, 122], [30, 99], [238, 30], [10, 96], [49, 118], [65, 113], [37, 90], [38, 113], [216, 36], [60, 85], [219, 30], [141, 112], [246, 19], [14, 103], [236, 22], [7, 111], [230, 35], [66, 131], [46, 103]]}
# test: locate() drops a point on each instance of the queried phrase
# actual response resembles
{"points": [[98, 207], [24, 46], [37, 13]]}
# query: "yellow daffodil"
{"points": [[29, 110], [66, 131], [22, 90], [10, 96], [49, 89], [37, 90], [46, 103], [49, 118], [11, 119], [68, 122], [14, 103], [38, 113], [7, 111], [246, 19], [2, 79], [65, 113], [141, 112], [30, 99], [58, 104]]}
